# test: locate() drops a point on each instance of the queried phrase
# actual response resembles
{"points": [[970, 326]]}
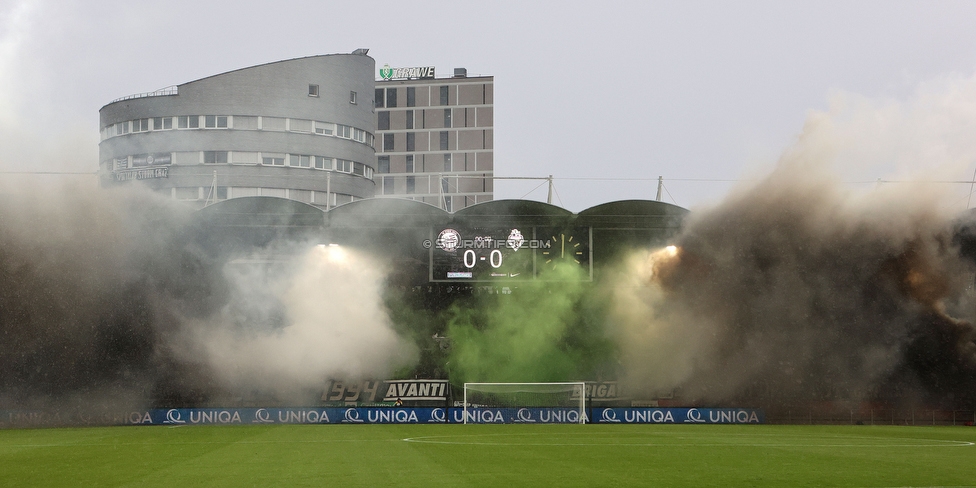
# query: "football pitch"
{"points": [[490, 455]]}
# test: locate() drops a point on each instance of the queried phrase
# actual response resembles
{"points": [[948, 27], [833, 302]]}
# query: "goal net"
{"points": [[525, 402]]}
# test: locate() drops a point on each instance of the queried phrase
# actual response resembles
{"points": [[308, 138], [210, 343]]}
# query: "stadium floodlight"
{"points": [[559, 402]]}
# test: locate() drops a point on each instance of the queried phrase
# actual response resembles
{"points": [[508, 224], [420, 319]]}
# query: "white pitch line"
{"points": [[671, 444]]}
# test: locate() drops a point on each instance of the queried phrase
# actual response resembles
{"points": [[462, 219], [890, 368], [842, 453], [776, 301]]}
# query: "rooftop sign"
{"points": [[418, 73]]}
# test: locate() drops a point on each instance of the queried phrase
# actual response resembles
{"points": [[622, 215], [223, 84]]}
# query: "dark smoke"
{"points": [[795, 292], [87, 289], [119, 298]]}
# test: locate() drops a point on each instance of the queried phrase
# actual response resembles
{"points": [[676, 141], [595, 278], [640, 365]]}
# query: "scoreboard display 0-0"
{"points": [[473, 253]]}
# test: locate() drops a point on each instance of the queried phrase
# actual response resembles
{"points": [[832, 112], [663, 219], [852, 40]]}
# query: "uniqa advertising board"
{"points": [[424, 415]]}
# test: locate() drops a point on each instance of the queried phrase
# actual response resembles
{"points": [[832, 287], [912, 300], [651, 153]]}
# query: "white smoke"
{"points": [[289, 327]]}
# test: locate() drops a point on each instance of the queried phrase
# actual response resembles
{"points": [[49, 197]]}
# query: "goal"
{"points": [[525, 402]]}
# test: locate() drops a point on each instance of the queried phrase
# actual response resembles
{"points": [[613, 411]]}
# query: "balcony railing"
{"points": [[169, 90]]}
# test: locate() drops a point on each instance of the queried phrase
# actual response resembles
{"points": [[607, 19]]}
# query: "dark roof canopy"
{"points": [[385, 212]]}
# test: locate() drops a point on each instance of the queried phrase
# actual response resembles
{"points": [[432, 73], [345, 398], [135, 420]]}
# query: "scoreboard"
{"points": [[506, 253]]}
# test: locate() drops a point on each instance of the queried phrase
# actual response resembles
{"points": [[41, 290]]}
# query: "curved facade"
{"points": [[300, 129]]}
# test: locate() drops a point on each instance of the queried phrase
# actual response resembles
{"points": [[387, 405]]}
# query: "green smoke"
{"points": [[545, 330]]}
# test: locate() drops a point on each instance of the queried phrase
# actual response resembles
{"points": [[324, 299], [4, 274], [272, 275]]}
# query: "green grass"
{"points": [[490, 456]]}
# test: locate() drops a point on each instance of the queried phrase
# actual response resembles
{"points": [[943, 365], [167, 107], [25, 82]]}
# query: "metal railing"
{"points": [[169, 90]]}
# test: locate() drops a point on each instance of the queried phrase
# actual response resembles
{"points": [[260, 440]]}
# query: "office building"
{"points": [[434, 137], [301, 129]]}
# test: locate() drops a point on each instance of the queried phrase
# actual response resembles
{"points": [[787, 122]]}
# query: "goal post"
{"points": [[525, 402]]}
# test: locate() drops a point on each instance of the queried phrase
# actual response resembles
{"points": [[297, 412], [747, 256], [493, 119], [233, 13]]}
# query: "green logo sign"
{"points": [[421, 73]]}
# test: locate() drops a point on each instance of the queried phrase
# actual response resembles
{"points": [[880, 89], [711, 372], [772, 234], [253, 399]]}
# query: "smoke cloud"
{"points": [[288, 329], [547, 330], [801, 289], [105, 299]]}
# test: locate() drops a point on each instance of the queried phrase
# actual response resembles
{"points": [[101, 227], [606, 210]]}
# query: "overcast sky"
{"points": [[701, 93]]}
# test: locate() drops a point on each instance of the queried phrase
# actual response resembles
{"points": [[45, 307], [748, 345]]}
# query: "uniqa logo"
{"points": [[173, 417], [261, 416], [437, 415], [656, 416], [386, 72], [609, 415], [694, 416], [386, 415], [352, 415], [524, 415]]}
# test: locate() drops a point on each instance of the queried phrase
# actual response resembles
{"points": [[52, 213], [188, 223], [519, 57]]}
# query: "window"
{"points": [[359, 169], [447, 117], [273, 123], [411, 184], [162, 123], [383, 164], [447, 162], [445, 140], [215, 121], [245, 122], [343, 165], [343, 131], [243, 157], [324, 128], [383, 120], [409, 119], [140, 125], [387, 142], [378, 98], [215, 157], [221, 193], [188, 122], [391, 100], [122, 128], [300, 125], [410, 163], [352, 97], [411, 96], [273, 160], [313, 90], [388, 185], [410, 141], [444, 95], [323, 163], [300, 161]]}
